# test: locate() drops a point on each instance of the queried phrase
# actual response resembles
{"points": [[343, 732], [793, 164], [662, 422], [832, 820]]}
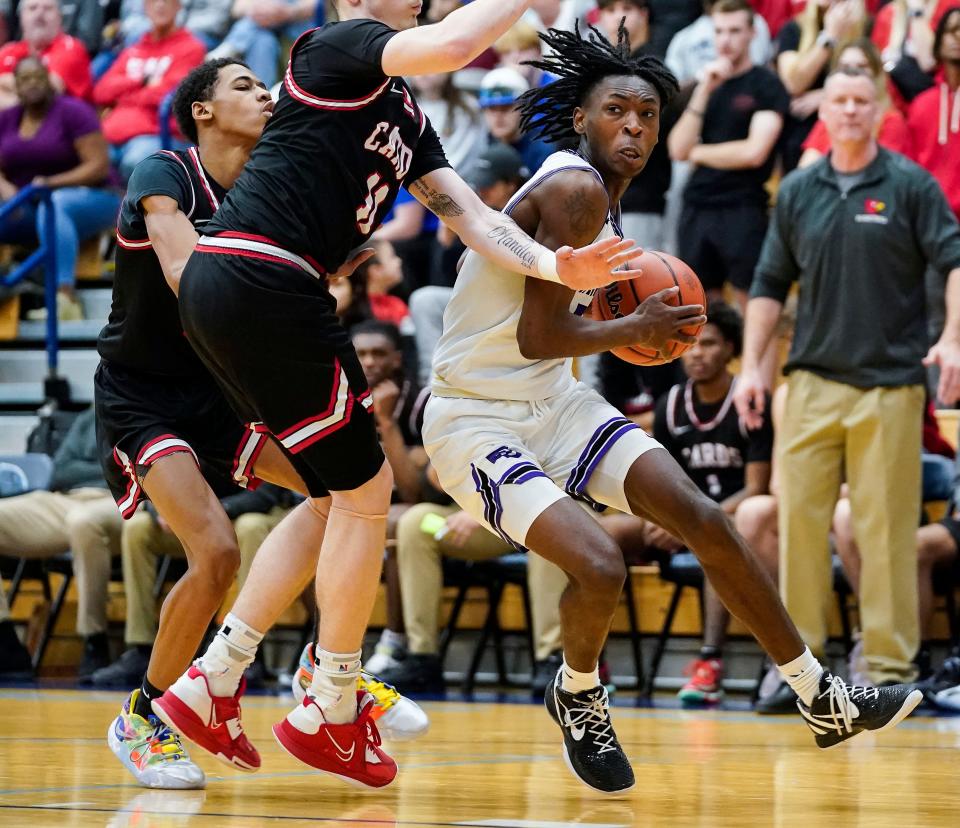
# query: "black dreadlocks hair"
{"points": [[580, 64]]}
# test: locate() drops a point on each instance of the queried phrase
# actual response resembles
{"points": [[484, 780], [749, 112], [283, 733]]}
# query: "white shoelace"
{"points": [[594, 716], [843, 698]]}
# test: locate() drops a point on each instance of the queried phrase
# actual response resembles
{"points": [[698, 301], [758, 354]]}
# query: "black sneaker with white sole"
{"points": [[840, 711], [590, 747]]}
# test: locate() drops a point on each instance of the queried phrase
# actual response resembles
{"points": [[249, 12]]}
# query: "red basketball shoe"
{"points": [[212, 722], [350, 752]]}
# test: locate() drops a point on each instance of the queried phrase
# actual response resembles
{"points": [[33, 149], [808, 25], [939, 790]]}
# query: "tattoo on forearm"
{"points": [[513, 239], [440, 204], [579, 210]]}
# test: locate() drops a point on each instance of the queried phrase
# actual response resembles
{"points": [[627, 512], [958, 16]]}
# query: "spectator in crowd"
{"points": [[729, 131], [138, 81], [498, 97], [145, 538], [519, 45], [398, 405], [667, 17], [412, 229], [777, 12], [698, 424], [856, 231], [382, 273], [255, 36], [933, 121], [635, 16], [453, 114], [892, 132], [77, 515], [427, 534], [53, 140], [554, 14], [694, 47], [903, 32], [43, 36], [208, 20], [934, 116], [84, 20], [806, 44]]}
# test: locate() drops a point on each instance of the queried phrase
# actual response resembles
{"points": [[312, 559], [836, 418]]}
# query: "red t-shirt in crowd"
{"points": [[388, 308], [893, 134], [65, 57], [140, 79], [934, 124]]}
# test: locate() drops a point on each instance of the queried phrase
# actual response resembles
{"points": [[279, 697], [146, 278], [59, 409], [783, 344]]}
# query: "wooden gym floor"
{"points": [[492, 764]]}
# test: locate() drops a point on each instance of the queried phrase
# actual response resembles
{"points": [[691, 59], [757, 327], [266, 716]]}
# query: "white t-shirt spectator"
{"points": [[693, 48]]}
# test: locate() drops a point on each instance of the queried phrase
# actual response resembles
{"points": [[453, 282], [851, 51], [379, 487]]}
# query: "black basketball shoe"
{"points": [[840, 712], [590, 747]]}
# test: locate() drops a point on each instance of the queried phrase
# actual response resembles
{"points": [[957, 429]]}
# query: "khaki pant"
{"points": [[144, 541], [420, 556], [873, 437], [85, 522]]}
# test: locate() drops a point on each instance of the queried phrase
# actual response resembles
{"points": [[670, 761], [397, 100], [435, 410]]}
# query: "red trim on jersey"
{"points": [[247, 254], [244, 472], [130, 244], [232, 234], [193, 193], [304, 97], [201, 174]]}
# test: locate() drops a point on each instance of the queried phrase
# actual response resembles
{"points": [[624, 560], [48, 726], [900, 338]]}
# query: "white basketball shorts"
{"points": [[505, 462]]}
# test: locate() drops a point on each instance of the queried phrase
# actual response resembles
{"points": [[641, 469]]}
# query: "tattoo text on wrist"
{"points": [[517, 242]]}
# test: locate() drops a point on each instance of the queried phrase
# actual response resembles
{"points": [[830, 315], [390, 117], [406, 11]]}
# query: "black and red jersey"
{"points": [[143, 331], [343, 139]]}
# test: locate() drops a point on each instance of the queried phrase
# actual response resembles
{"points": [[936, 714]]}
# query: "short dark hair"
{"points": [[728, 321], [376, 327], [580, 63], [941, 30], [198, 85], [731, 6]]}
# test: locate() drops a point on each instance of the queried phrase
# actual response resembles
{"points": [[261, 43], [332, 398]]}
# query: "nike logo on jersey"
{"points": [[343, 755]]}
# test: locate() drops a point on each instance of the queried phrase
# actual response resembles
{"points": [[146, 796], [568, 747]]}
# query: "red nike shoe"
{"points": [[350, 752], [212, 722]]}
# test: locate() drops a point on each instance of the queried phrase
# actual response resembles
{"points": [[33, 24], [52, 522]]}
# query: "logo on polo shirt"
{"points": [[873, 212]]}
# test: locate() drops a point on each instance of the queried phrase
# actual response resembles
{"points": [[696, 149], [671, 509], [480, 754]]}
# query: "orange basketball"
{"points": [[660, 270]]}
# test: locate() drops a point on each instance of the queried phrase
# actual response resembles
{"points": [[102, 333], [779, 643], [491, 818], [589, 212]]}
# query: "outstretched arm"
{"points": [[172, 235], [453, 42], [571, 208], [496, 237]]}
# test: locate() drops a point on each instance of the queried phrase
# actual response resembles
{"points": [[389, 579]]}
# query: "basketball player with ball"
{"points": [[522, 446]]}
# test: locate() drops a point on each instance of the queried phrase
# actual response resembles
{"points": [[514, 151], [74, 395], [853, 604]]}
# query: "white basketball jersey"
{"points": [[478, 354]]}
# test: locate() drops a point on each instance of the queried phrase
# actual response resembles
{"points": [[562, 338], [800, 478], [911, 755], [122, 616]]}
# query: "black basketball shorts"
{"points": [[722, 244], [142, 418], [263, 322]]}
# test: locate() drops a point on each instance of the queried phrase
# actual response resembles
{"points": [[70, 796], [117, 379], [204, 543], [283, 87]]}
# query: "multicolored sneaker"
{"points": [[212, 722], [706, 682], [151, 751], [398, 718], [351, 752]]}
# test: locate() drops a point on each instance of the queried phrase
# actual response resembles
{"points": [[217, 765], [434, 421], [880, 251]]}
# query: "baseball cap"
{"points": [[498, 162], [501, 87]]}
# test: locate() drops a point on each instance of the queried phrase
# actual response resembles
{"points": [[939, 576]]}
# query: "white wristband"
{"points": [[547, 267]]}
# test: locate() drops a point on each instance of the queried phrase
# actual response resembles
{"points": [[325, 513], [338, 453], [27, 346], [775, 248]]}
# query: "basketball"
{"points": [[660, 271]]}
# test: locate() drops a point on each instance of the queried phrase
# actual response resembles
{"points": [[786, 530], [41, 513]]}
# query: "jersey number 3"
{"points": [[377, 192]]}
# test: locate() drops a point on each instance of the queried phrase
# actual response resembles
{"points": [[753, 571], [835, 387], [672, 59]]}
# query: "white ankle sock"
{"points": [[335, 684], [803, 675], [573, 681], [229, 654]]}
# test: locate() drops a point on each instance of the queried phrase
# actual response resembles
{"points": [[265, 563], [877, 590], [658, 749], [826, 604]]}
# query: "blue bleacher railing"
{"points": [[163, 113], [45, 255]]}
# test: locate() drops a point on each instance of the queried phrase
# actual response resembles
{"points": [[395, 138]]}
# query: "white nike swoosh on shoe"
{"points": [[343, 755]]}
